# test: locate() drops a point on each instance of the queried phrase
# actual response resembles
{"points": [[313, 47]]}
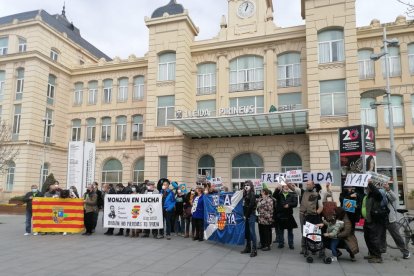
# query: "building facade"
{"points": [[255, 98]]}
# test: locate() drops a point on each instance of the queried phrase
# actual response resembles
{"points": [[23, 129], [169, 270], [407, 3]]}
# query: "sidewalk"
{"points": [[101, 255]]}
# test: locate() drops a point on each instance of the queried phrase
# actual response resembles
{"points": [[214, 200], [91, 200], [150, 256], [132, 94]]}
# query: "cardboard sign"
{"points": [[357, 180], [295, 176], [349, 205], [217, 183], [258, 185], [316, 177], [310, 228], [379, 179]]}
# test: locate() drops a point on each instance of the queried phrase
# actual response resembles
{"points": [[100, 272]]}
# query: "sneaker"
{"points": [[168, 237], [334, 259], [160, 237], [26, 234], [407, 256], [375, 260], [35, 234], [64, 233]]}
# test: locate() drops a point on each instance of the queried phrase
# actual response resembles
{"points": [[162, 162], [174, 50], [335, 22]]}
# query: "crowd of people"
{"points": [[183, 214]]}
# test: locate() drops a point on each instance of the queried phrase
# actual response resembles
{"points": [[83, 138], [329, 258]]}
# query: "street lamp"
{"points": [[375, 57]]}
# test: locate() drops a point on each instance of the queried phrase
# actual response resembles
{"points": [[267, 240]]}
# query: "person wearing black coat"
{"points": [[28, 198], [351, 194], [286, 200], [119, 189], [249, 210]]}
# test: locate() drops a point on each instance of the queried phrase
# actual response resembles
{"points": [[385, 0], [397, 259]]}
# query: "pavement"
{"points": [[110, 255]]}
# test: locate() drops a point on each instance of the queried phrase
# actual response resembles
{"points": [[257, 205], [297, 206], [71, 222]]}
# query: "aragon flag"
{"points": [[57, 215]]}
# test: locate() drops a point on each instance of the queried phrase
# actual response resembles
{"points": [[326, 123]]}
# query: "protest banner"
{"points": [[258, 184], [349, 205], [294, 176], [310, 228], [57, 215], [317, 177], [134, 211], [357, 180], [183, 188], [379, 179], [223, 218], [217, 183]]}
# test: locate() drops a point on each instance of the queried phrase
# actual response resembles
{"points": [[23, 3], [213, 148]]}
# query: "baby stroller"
{"points": [[314, 246]]}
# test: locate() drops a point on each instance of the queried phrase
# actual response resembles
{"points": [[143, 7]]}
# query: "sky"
{"points": [[118, 29]]}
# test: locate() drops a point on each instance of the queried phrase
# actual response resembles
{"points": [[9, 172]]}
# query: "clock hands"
{"points": [[247, 5]]}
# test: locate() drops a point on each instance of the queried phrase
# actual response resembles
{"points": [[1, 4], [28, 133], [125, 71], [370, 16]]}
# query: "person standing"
{"points": [[188, 205], [198, 214], [108, 190], [179, 213], [265, 219], [392, 224], [151, 190], [286, 200], [120, 190], [91, 205], [374, 226], [249, 210], [168, 205], [28, 198]]}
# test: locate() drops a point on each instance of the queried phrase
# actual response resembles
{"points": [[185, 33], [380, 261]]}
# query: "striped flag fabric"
{"points": [[57, 215]]}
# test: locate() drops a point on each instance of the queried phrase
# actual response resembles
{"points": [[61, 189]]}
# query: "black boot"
{"points": [[254, 252], [247, 249]]}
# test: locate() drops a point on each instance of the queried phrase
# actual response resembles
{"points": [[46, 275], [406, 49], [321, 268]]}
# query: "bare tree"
{"points": [[8, 149], [410, 7]]}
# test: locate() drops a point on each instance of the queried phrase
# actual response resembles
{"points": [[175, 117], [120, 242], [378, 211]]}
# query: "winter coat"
{"points": [[347, 235], [28, 201], [91, 202], [284, 216], [249, 204], [198, 207], [265, 210], [188, 204], [179, 205], [353, 217], [373, 202], [168, 200], [392, 200], [333, 228]]}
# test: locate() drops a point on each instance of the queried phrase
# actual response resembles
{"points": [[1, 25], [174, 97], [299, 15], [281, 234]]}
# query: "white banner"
{"points": [[294, 176], [134, 211], [75, 166], [89, 150], [316, 177], [217, 183], [379, 179], [357, 180]]}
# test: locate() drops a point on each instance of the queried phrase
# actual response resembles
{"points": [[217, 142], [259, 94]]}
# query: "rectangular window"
{"points": [[51, 90], [206, 79], [78, 94], [163, 166], [246, 74], [10, 178], [209, 106], [48, 124], [2, 83], [16, 121], [107, 91], [411, 58], [1, 113], [121, 128], [22, 45], [256, 101], [54, 55], [394, 62], [333, 98], [106, 130], [76, 130], [4, 44], [368, 114], [90, 133], [93, 92], [19, 84], [137, 127], [335, 166], [293, 100], [166, 67], [331, 46], [289, 75], [138, 89], [397, 108], [123, 90], [166, 110]]}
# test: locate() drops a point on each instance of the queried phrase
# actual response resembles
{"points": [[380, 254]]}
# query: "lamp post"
{"points": [[375, 57]]}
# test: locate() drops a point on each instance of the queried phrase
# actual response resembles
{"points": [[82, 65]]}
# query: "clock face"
{"points": [[246, 9]]}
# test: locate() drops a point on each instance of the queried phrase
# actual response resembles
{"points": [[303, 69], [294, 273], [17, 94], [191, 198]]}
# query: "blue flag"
{"points": [[223, 218]]}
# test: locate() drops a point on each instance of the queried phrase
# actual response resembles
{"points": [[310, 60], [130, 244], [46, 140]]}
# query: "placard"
{"points": [[379, 179], [321, 177], [217, 183], [357, 180], [134, 211], [258, 184], [310, 228], [294, 176]]}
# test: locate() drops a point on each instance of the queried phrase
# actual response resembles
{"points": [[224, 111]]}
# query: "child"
{"points": [[334, 226]]}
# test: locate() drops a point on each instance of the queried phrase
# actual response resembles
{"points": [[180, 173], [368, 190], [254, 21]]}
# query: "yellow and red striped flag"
{"points": [[57, 215]]}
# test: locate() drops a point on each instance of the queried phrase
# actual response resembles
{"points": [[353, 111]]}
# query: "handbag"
{"points": [[328, 207]]}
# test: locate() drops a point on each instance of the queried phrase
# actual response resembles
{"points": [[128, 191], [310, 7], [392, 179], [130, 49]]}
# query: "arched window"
{"points": [[246, 166], [246, 73], [107, 91], [76, 130], [19, 83], [206, 166], [394, 62], [78, 93], [11, 171], [397, 108], [368, 114], [288, 68], [137, 127], [206, 78], [139, 87], [166, 67], [122, 89], [331, 46], [366, 65], [121, 123], [291, 161], [106, 129], [44, 173], [139, 171], [90, 129], [22, 45], [384, 166], [92, 92], [112, 172]]}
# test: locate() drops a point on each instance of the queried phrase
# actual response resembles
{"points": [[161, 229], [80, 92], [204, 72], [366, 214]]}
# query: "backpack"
{"points": [[380, 215]]}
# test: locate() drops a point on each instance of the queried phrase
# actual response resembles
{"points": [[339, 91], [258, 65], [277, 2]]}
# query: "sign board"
{"points": [[81, 165], [349, 205], [357, 180], [294, 176], [316, 177], [379, 179], [217, 183], [133, 211], [258, 184], [310, 228]]}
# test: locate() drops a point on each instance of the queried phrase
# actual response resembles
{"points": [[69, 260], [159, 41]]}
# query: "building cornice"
{"points": [[173, 18]]}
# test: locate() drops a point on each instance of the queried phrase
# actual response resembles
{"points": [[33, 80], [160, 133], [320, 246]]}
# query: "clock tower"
{"points": [[248, 18]]}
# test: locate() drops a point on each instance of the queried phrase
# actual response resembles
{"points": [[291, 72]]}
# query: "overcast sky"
{"points": [[118, 29]]}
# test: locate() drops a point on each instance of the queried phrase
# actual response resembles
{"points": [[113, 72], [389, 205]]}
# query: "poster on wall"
{"points": [[357, 150], [134, 211]]}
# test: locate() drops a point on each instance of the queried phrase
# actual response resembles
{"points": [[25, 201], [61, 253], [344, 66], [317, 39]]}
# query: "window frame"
{"points": [[107, 93], [167, 112], [51, 89], [76, 130], [16, 121], [249, 81], [333, 94], [139, 89], [170, 68], [22, 46], [341, 56], [121, 128], [122, 91], [54, 54], [210, 78], [90, 130], [11, 173], [139, 127], [20, 84], [106, 128]]}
